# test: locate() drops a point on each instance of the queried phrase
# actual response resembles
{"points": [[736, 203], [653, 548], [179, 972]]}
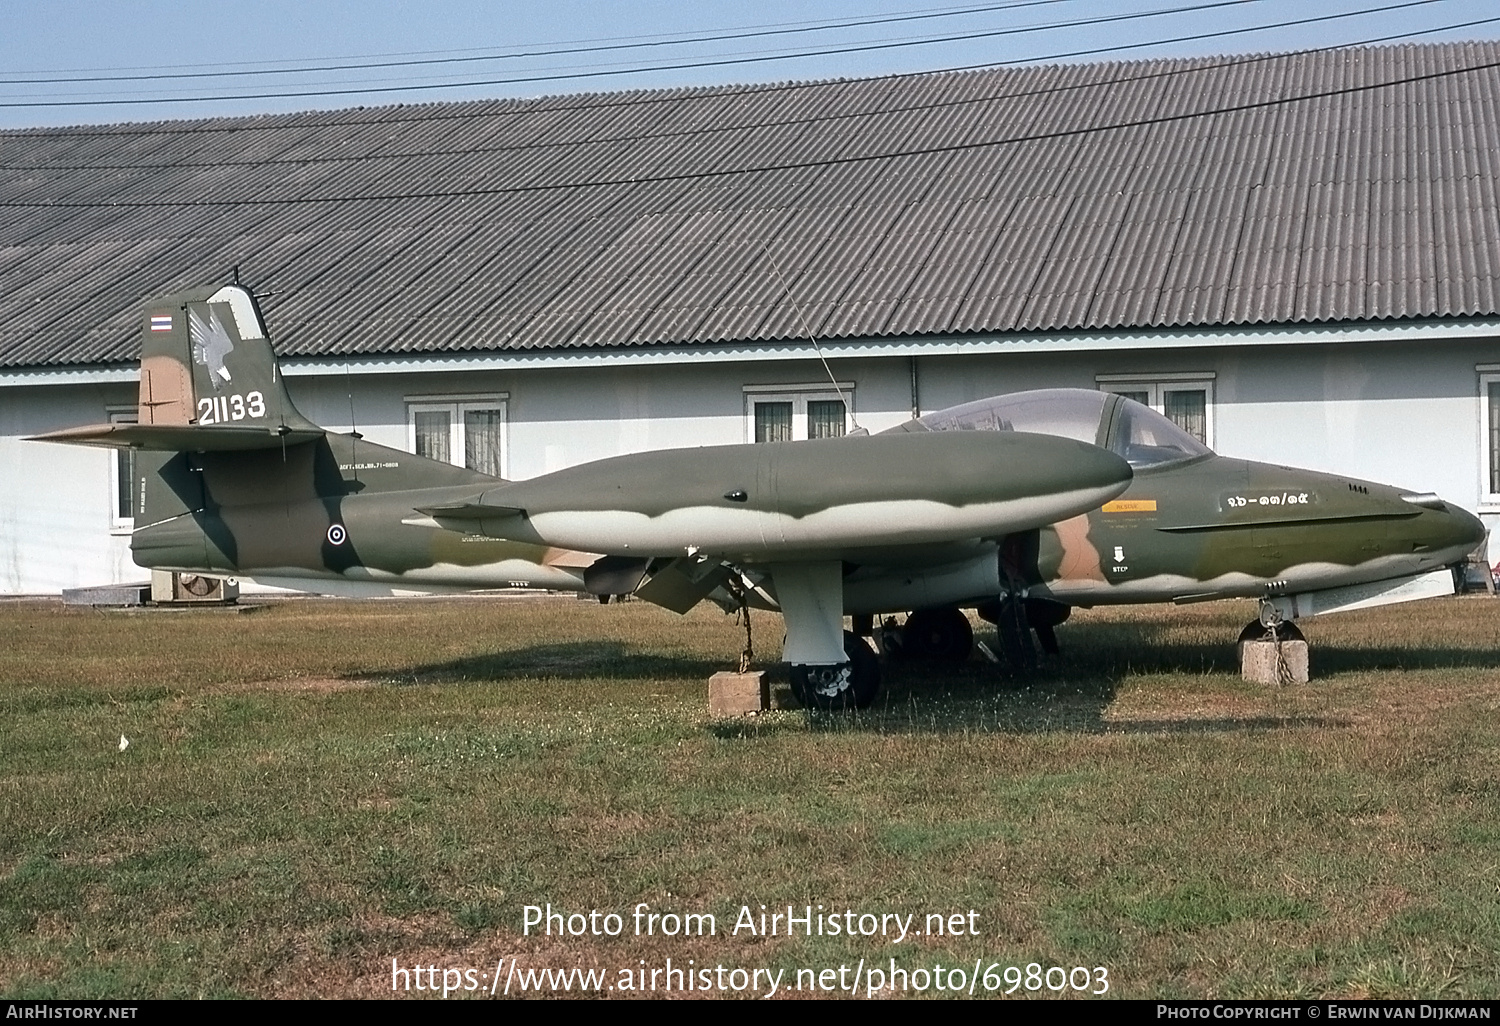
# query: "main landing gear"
{"points": [[1016, 620], [945, 636], [849, 685], [831, 668], [939, 635]]}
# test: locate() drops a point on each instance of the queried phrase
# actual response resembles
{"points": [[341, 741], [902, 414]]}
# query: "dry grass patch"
{"points": [[296, 809], [296, 685]]}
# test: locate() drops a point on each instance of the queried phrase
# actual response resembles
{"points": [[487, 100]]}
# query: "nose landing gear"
{"points": [[1272, 650]]}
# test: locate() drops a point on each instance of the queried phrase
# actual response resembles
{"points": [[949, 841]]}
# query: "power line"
{"points": [[270, 65], [556, 51], [636, 98], [636, 180], [689, 65]]}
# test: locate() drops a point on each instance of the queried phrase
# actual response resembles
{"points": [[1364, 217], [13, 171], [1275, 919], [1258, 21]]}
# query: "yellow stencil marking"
{"points": [[1131, 506]]}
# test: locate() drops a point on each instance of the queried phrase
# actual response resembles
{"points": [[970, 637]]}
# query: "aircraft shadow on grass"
{"points": [[1130, 649], [564, 663], [1070, 693]]}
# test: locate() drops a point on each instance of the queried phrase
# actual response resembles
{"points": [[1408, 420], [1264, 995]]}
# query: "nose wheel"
{"points": [[1270, 625], [1281, 630]]}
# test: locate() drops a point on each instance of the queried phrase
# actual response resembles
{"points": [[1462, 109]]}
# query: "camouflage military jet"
{"points": [[233, 479], [1022, 507]]}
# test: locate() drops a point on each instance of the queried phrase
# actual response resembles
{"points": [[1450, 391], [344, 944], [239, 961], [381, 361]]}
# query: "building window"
{"points": [[1489, 428], [1187, 400], [467, 431], [122, 477], [787, 413], [1493, 389]]}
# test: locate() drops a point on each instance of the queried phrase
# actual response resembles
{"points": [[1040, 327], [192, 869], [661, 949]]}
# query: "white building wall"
{"points": [[1408, 414], [56, 503], [1404, 415]]}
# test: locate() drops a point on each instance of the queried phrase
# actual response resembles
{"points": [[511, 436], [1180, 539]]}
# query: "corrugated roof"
{"points": [[1348, 185]]}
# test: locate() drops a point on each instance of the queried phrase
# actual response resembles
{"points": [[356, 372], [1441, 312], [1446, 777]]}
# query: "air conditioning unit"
{"points": [[171, 587]]}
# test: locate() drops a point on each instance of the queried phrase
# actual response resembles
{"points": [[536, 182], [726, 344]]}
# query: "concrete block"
{"points": [[735, 694], [1262, 663], [107, 595]]}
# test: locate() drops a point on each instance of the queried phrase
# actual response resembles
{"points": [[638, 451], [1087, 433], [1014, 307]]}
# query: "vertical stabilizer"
{"points": [[206, 361], [209, 382]]}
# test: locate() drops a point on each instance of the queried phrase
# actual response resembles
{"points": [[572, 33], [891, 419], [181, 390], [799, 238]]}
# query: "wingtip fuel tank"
{"points": [[810, 500]]}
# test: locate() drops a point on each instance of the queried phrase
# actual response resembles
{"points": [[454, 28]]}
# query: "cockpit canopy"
{"points": [[1125, 427]]}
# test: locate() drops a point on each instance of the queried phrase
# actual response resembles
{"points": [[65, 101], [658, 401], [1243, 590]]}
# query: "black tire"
{"points": [[859, 685], [1287, 630], [941, 635]]}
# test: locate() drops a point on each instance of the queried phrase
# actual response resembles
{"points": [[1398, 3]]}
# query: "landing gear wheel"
{"points": [[851, 685], [1286, 630], [941, 635]]}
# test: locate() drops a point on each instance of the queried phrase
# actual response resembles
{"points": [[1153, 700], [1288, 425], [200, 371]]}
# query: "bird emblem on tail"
{"points": [[211, 343]]}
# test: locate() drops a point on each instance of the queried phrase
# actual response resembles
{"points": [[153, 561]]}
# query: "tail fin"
{"points": [[209, 381]]}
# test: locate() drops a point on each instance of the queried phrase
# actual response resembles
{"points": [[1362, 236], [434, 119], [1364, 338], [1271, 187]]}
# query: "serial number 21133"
{"points": [[220, 408]]}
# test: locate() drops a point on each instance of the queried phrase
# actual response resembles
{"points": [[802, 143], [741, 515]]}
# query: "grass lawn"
{"points": [[315, 788]]}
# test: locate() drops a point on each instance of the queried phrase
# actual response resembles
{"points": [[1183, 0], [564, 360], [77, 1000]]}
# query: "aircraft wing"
{"points": [[674, 526]]}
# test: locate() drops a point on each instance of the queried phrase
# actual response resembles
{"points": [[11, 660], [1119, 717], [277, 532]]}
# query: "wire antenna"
{"points": [[813, 339], [354, 435]]}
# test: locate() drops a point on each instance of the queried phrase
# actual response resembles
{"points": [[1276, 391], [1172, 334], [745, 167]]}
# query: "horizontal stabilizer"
{"points": [[180, 437]]}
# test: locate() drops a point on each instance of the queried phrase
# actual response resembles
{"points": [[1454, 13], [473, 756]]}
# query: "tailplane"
{"points": [[209, 381]]}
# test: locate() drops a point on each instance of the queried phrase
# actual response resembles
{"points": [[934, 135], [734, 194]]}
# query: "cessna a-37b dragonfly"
{"points": [[1021, 507]]}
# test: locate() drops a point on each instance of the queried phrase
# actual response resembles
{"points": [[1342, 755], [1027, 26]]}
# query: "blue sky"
{"points": [[73, 39]]}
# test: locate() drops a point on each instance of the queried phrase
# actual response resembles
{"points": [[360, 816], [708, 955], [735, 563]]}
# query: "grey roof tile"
{"points": [[1171, 193]]}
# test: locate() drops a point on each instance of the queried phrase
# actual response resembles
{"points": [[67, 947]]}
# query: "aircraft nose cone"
{"points": [[1448, 531], [1465, 528]]}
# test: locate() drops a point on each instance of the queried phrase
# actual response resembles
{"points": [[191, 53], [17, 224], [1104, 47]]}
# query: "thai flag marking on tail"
{"points": [[161, 322]]}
